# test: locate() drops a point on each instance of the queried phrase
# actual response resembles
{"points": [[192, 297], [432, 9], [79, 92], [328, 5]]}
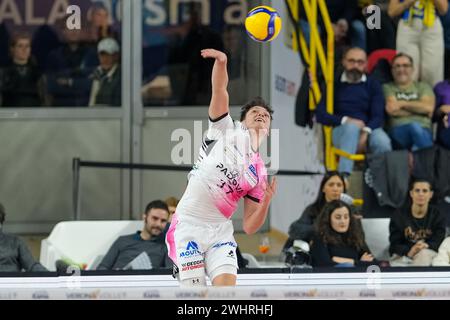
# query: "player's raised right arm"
{"points": [[219, 78]]}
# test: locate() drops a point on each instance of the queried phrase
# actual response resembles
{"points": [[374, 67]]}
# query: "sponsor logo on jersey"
{"points": [[251, 179], [191, 250], [231, 254], [229, 243], [192, 245], [192, 265]]}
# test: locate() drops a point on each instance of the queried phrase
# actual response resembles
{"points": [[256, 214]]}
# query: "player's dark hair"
{"points": [[255, 102]]}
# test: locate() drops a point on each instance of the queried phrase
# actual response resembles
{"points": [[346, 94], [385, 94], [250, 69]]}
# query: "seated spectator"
{"points": [[45, 39], [358, 111], [416, 231], [442, 91], [144, 249], [420, 35], [332, 187], [442, 259], [21, 84], [106, 85], [410, 105], [339, 239], [14, 254], [68, 69], [172, 203]]}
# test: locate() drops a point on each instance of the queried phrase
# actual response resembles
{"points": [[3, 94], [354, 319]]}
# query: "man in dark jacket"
{"points": [[358, 111], [14, 254], [144, 249], [21, 79], [106, 84], [416, 232]]}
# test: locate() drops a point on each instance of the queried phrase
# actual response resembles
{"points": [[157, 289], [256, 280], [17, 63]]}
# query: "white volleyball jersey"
{"points": [[227, 170]]}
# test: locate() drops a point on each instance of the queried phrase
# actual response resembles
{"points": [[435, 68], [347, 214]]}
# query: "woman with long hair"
{"points": [[331, 188], [339, 239]]}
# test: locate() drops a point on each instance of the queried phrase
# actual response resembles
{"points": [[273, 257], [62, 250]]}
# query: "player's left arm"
{"points": [[255, 213]]}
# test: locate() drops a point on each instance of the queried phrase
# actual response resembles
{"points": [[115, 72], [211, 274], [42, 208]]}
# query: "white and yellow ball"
{"points": [[263, 23]]}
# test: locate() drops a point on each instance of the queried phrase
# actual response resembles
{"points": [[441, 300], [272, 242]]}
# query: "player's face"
{"points": [[340, 220], [155, 221], [258, 118]]}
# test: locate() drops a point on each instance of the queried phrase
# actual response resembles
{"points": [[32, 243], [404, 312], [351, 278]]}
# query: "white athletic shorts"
{"points": [[198, 248]]}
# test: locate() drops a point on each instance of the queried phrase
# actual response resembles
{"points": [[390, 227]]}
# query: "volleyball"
{"points": [[263, 23]]}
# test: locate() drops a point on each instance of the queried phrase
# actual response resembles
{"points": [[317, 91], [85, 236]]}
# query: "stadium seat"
{"points": [[83, 242], [252, 262], [377, 55], [376, 232]]}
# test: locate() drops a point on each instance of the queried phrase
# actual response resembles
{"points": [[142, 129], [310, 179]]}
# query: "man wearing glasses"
{"points": [[410, 106], [358, 111]]}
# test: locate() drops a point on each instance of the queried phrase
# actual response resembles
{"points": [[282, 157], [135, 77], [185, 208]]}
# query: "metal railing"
{"points": [[315, 56], [77, 164]]}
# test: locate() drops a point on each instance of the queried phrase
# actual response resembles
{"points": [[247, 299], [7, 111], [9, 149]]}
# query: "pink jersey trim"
{"points": [[170, 239]]}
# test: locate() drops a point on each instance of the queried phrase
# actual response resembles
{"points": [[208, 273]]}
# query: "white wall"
{"points": [[300, 148]]}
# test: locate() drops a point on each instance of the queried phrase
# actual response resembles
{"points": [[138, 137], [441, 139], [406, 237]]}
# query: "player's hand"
{"points": [[362, 144], [270, 190], [359, 123], [215, 54]]}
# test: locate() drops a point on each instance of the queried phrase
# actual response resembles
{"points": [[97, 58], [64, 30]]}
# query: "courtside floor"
{"points": [[258, 286]]}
